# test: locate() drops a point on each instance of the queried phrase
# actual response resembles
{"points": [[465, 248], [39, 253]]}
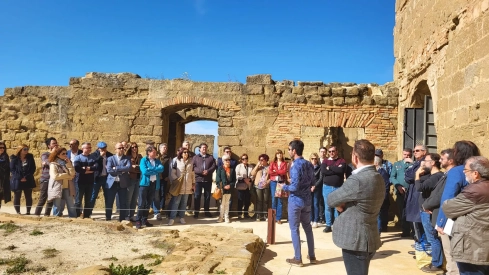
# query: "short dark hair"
{"points": [[364, 150], [264, 156], [464, 149], [48, 141], [203, 143], [448, 152], [436, 158], [408, 150], [298, 145], [321, 148], [150, 148], [226, 148], [180, 152]]}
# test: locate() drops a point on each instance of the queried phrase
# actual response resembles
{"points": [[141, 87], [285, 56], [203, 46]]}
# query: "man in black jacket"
{"points": [[204, 165], [101, 155]]}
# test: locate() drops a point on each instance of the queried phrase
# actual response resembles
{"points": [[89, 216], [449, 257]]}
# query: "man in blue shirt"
{"points": [[302, 182]]}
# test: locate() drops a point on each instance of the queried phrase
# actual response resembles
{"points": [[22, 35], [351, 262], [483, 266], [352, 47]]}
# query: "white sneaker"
{"points": [[171, 222], [227, 220], [182, 221], [314, 225]]}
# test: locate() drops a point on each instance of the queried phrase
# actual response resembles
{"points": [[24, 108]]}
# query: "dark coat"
{"points": [[433, 202], [5, 194], [200, 164], [222, 179], [100, 161], [18, 173]]}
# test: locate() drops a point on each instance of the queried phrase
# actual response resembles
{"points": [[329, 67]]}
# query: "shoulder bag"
{"points": [[241, 184], [176, 184]]}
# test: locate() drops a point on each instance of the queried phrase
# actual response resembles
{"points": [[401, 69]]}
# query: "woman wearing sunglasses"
{"points": [[243, 175], [61, 170], [22, 167]]}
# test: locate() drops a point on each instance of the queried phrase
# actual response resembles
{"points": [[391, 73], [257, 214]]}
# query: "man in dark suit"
{"points": [[359, 200], [118, 180]]}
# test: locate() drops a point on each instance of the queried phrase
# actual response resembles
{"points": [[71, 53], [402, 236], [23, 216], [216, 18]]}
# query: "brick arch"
{"points": [[191, 100]]}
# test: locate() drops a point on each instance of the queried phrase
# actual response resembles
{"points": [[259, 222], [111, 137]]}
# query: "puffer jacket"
{"points": [[189, 177], [470, 233]]}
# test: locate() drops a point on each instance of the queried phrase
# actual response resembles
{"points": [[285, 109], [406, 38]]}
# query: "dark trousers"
{"points": [[28, 200], [198, 194], [321, 205], [472, 269], [261, 208], [111, 192], [244, 200], [99, 182], [357, 262], [383, 218], [83, 192], [43, 197], [405, 226], [146, 197]]}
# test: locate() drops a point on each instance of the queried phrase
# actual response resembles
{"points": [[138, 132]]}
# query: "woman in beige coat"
{"points": [[181, 165], [61, 170]]}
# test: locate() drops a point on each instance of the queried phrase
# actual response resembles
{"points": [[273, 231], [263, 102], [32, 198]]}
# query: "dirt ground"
{"points": [[64, 247]]}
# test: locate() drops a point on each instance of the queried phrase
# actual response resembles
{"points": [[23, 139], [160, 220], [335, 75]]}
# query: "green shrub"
{"points": [[17, 265], [36, 232], [129, 270], [9, 227]]}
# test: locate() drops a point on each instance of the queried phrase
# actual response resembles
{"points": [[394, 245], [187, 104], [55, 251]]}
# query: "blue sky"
{"points": [[47, 42]]}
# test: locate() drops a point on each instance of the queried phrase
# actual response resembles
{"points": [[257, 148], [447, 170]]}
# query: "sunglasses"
{"points": [[418, 150], [244, 158], [313, 158], [134, 147], [25, 149], [121, 148], [63, 154], [332, 151]]}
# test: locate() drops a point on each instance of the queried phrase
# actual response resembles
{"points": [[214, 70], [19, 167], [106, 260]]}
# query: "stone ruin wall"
{"points": [[260, 116], [441, 47]]}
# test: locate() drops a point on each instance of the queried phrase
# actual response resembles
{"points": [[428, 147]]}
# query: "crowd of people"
{"points": [[443, 199]]}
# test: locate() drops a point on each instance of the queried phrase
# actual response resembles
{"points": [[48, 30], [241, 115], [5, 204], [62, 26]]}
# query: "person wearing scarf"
{"points": [[61, 169], [225, 180]]}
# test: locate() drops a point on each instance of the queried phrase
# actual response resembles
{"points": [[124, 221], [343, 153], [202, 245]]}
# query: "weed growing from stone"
{"points": [[134, 249], [11, 247], [110, 259], [50, 252], [9, 227], [129, 270], [36, 232], [158, 259], [220, 271]]}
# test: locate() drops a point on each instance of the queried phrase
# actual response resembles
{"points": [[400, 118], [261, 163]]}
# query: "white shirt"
{"points": [[118, 161], [360, 169], [73, 156], [152, 177]]}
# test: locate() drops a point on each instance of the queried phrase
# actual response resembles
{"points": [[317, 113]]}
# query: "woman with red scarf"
{"points": [[278, 174]]}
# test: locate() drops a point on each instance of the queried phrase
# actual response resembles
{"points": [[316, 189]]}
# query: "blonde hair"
{"points": [[313, 155], [19, 149]]}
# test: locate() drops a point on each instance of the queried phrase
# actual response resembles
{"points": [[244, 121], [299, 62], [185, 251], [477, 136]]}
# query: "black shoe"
{"points": [[147, 224], [247, 217], [327, 229], [322, 222], [196, 216], [208, 214], [138, 225], [405, 235]]}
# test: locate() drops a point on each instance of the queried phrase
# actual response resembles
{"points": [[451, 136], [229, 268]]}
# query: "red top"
{"points": [[274, 170]]}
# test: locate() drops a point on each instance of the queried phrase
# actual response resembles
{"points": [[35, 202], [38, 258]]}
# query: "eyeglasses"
{"points": [[467, 170], [331, 151], [419, 150], [227, 152], [244, 158], [314, 159], [134, 147], [121, 148], [25, 149]]}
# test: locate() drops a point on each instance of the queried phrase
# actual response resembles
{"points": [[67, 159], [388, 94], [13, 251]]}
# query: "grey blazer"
{"points": [[356, 227], [120, 170]]}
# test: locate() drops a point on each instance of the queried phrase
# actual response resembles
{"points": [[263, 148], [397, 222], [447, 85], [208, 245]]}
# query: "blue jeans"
{"points": [[99, 182], [111, 193], [432, 238], [472, 269], [146, 196], [328, 211], [300, 213], [83, 192], [276, 202], [59, 204], [132, 196], [357, 262], [198, 194], [316, 197], [178, 205]]}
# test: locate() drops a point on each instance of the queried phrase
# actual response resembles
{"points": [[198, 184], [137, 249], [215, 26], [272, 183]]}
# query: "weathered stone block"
{"points": [[10, 135], [223, 113], [338, 101], [228, 131], [142, 130], [310, 90], [252, 89], [259, 79], [298, 90], [380, 100], [301, 99], [315, 99], [324, 90], [392, 101], [283, 89], [228, 140], [269, 89], [285, 83], [392, 92], [157, 130], [338, 92], [266, 112], [286, 97], [225, 122], [353, 91], [310, 83], [367, 100], [13, 124], [352, 100]]}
